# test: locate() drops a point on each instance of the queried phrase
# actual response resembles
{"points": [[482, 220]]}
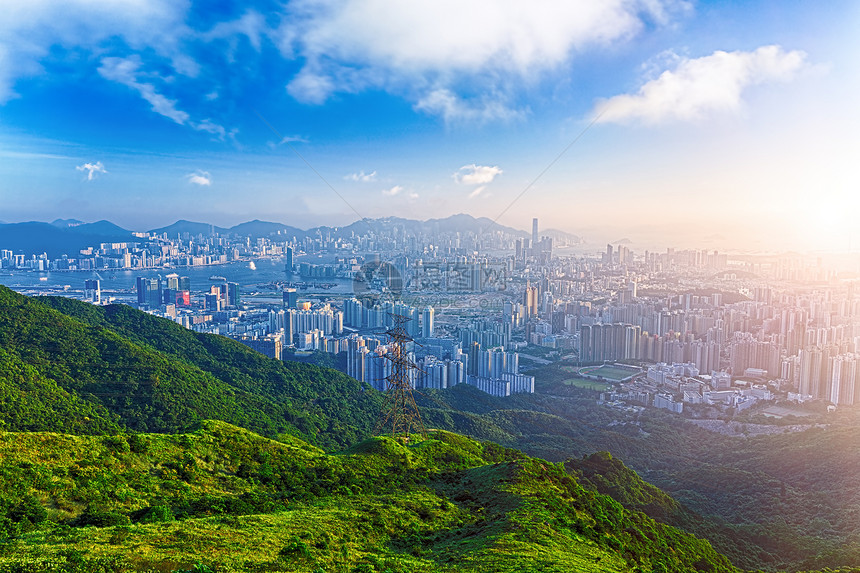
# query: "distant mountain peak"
{"points": [[66, 223]]}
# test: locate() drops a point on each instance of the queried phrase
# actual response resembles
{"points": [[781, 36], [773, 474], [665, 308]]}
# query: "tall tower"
{"points": [[400, 411], [530, 301], [535, 234], [288, 264], [428, 326]]}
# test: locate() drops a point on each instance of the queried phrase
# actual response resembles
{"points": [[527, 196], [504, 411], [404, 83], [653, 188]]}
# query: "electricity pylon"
{"points": [[400, 412]]}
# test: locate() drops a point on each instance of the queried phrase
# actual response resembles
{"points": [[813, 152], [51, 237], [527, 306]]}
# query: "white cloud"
{"points": [[251, 24], [393, 191], [125, 71], [452, 108], [210, 127], [294, 139], [201, 178], [478, 191], [422, 48], [308, 87], [30, 28], [476, 174], [479, 33], [362, 177], [701, 86], [92, 169]]}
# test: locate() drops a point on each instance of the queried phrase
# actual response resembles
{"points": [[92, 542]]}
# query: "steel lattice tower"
{"points": [[400, 412]]}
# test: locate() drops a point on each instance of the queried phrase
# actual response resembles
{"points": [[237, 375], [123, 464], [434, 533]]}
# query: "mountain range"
{"points": [[68, 236], [35, 237]]}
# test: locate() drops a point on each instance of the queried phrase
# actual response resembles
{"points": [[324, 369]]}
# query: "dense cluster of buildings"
{"points": [[151, 250], [787, 325]]}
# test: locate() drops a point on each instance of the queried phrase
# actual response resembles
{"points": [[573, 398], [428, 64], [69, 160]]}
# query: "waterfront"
{"points": [[266, 278]]}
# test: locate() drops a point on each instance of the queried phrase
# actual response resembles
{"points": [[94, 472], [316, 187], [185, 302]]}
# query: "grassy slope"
{"points": [[786, 501], [120, 367], [609, 476], [248, 503]]}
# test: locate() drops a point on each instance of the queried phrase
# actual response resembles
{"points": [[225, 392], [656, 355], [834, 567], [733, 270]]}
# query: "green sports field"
{"points": [[587, 384], [609, 372]]}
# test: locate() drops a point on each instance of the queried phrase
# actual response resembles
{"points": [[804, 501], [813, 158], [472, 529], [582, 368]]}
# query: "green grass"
{"points": [[609, 372], [231, 500], [587, 384]]}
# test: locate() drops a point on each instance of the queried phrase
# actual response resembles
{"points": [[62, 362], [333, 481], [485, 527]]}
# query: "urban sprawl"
{"points": [[673, 329]]}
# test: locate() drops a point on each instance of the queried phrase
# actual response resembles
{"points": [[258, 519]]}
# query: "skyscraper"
{"points": [[535, 234], [232, 294], [93, 290], [427, 322], [288, 264], [291, 297], [530, 301], [149, 292], [142, 286]]}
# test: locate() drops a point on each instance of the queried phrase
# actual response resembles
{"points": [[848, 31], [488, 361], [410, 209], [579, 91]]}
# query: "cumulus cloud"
{"points": [[92, 169], [480, 33], [702, 86], [476, 174], [361, 177], [393, 191], [420, 49], [201, 178]]}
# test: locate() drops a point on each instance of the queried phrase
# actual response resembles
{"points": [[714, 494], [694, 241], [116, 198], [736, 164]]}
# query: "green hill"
{"points": [[228, 499], [70, 366], [787, 501], [607, 475]]}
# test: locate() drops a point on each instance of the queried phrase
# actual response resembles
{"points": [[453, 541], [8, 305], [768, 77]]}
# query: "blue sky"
{"points": [[705, 124]]}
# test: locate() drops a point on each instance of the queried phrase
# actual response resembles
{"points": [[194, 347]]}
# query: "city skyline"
{"points": [[692, 123]]}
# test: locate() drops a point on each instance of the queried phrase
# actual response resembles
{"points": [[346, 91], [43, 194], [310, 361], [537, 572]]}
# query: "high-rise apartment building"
{"points": [[427, 326]]}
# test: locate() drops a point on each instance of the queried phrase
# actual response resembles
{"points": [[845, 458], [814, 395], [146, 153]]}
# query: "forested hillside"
{"points": [[109, 367]]}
